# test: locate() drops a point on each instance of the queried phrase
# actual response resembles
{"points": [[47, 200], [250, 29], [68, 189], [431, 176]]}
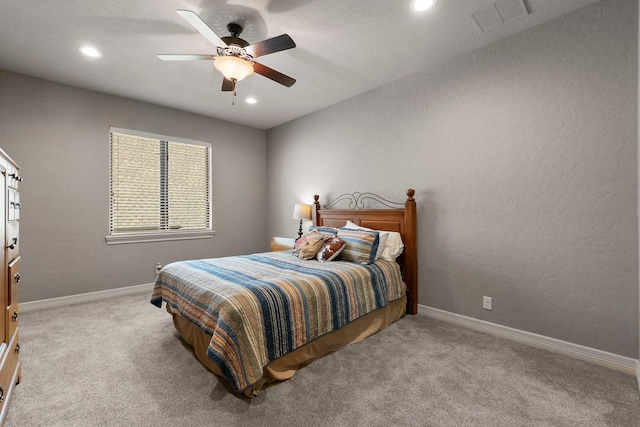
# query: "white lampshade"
{"points": [[301, 211], [232, 67]]}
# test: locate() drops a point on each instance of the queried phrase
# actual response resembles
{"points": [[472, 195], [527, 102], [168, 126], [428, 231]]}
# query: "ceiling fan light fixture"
{"points": [[233, 68]]}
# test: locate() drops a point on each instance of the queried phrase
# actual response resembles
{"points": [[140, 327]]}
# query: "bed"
{"points": [[256, 319]]}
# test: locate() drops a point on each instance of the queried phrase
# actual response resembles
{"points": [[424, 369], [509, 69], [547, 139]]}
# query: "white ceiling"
{"points": [[344, 47]]}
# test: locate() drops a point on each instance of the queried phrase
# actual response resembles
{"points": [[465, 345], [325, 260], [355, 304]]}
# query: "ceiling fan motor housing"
{"points": [[233, 50], [234, 29], [234, 38]]}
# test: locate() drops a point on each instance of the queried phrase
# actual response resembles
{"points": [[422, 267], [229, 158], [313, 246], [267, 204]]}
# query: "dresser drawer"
{"points": [[14, 280], [17, 207], [12, 318], [13, 212], [13, 242], [13, 177], [9, 373]]}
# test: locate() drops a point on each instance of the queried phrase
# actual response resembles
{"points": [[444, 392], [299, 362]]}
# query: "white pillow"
{"points": [[390, 246], [394, 246]]}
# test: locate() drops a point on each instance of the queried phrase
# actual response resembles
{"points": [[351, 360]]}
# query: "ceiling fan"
{"points": [[235, 56]]}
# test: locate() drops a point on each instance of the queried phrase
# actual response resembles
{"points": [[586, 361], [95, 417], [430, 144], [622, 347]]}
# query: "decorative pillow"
{"points": [[302, 239], [383, 236], [333, 247], [393, 245], [330, 231], [361, 245], [308, 245]]}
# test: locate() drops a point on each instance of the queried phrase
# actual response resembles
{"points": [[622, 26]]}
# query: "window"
{"points": [[160, 188]]}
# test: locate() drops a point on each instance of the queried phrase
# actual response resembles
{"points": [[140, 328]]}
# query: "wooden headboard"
{"points": [[393, 218]]}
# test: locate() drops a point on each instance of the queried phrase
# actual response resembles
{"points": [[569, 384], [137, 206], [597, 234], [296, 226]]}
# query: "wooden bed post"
{"points": [[316, 208], [411, 253]]}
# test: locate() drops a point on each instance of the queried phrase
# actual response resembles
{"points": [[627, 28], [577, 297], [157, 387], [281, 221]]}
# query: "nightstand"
{"points": [[282, 244]]}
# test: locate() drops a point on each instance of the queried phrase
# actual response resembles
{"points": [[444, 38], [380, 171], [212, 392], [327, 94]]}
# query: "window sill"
{"points": [[122, 238]]}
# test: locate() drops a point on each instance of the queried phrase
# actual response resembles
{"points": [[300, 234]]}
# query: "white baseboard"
{"points": [[600, 357], [90, 296]]}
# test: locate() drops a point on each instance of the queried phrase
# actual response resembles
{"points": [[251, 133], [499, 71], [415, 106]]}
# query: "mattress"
{"points": [[256, 309]]}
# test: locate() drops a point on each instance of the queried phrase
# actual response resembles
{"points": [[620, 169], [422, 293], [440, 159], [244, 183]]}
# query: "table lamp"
{"points": [[301, 211]]}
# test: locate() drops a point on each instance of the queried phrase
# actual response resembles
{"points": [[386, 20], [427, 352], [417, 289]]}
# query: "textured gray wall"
{"points": [[60, 137], [523, 156]]}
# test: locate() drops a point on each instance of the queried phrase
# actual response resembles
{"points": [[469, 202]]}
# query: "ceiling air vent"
{"points": [[496, 15]]}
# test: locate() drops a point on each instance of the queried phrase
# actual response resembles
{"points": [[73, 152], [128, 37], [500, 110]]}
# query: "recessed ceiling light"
{"points": [[251, 100], [422, 5], [90, 51]]}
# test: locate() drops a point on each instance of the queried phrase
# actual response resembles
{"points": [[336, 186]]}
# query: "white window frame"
{"points": [[164, 235]]}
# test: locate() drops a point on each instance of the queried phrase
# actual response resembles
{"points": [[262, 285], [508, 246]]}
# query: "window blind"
{"points": [[158, 185], [188, 186]]}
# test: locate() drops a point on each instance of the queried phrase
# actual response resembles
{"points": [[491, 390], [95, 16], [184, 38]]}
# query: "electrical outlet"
{"points": [[487, 303], [158, 268]]}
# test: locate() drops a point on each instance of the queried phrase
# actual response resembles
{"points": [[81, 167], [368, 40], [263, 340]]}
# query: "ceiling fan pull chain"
{"points": [[233, 100]]}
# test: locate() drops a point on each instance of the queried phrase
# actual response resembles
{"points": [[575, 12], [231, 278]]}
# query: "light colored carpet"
{"points": [[119, 362]]}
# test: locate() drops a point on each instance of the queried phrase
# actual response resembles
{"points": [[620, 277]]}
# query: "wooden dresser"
{"points": [[10, 368]]}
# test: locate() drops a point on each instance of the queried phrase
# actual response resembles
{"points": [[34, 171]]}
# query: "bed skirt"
{"points": [[286, 366]]}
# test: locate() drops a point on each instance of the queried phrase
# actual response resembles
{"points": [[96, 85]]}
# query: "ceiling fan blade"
{"points": [[272, 45], [202, 28], [178, 57], [274, 75], [228, 85]]}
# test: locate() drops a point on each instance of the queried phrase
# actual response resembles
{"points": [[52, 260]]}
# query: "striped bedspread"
{"points": [[260, 307]]}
